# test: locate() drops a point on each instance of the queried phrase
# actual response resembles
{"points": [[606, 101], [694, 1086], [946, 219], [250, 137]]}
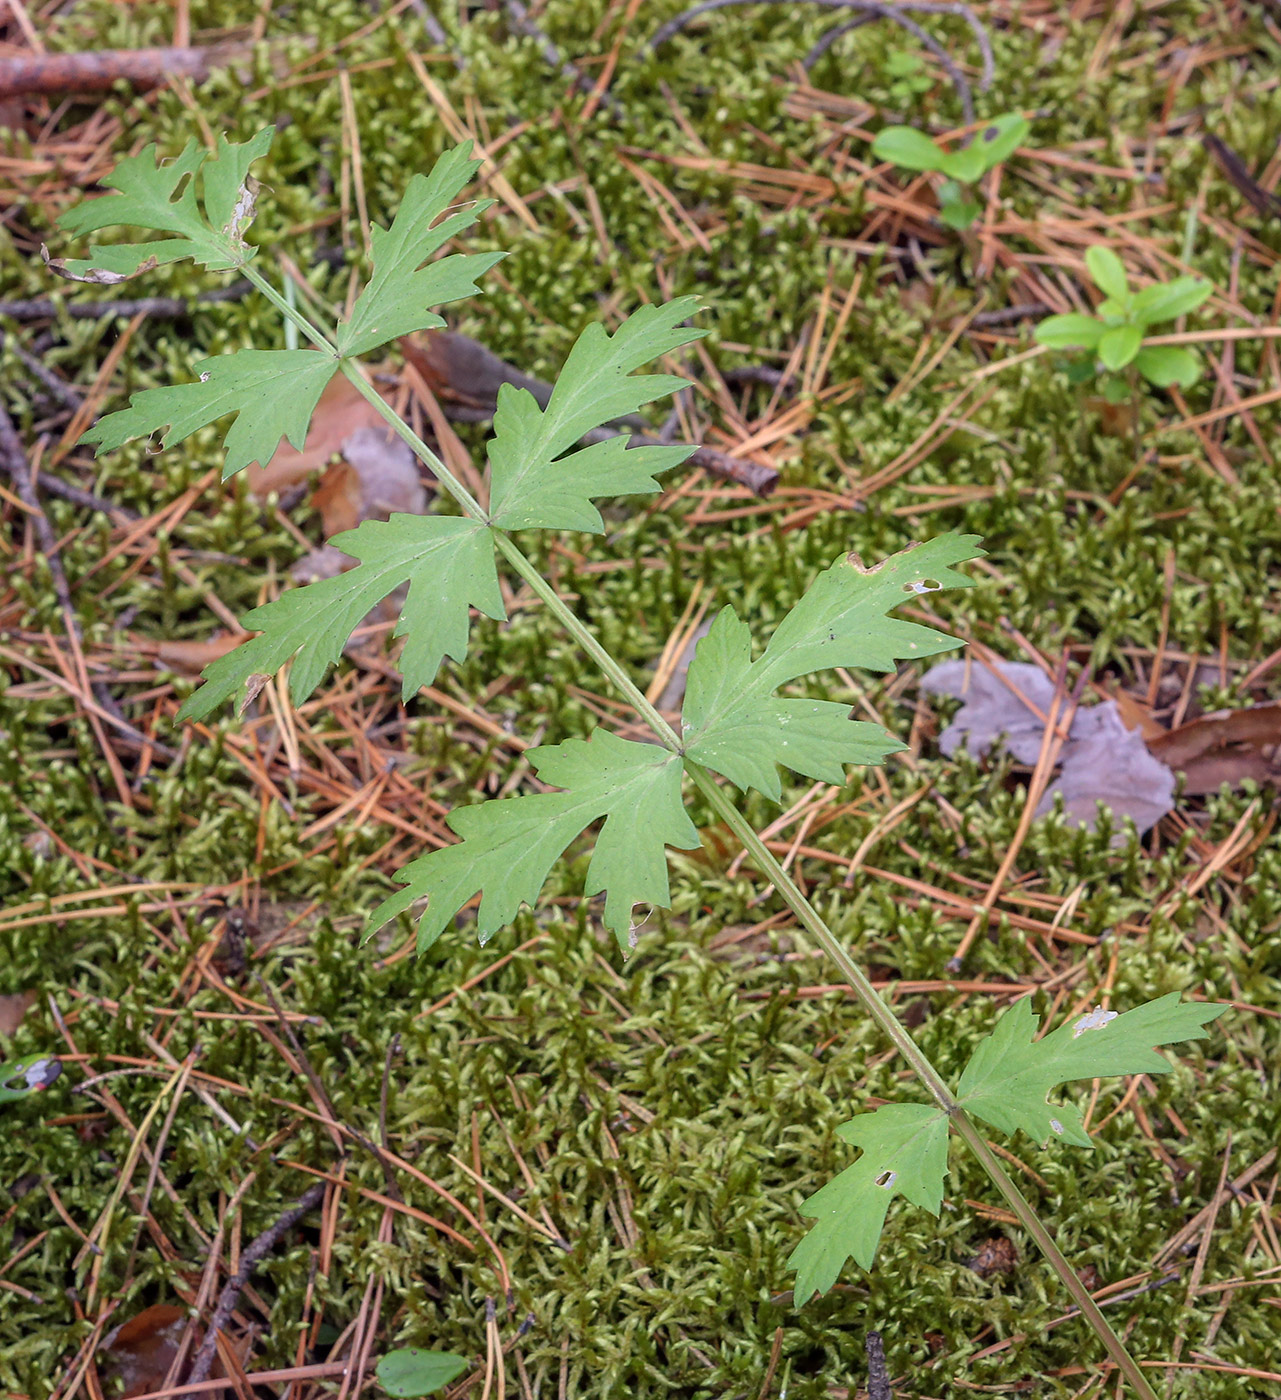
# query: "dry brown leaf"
{"points": [[1103, 761], [139, 1353], [1227, 746], [13, 1009], [341, 411], [191, 658]]}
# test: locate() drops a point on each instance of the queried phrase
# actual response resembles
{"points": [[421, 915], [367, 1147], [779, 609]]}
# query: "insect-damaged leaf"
{"points": [[272, 392], [1010, 1073], [904, 1154], [734, 723], [533, 484], [163, 197], [509, 846], [1005, 1083], [397, 298]]}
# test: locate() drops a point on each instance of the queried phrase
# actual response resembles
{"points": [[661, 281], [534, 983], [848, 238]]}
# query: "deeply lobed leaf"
{"points": [[397, 299], [509, 846], [904, 1154], [1006, 1083], [163, 197], [449, 564], [1010, 1073], [733, 722], [533, 484], [272, 392]]}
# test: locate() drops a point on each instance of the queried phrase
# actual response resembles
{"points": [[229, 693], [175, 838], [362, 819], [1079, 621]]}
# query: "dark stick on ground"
{"points": [[54, 386], [1004, 315], [878, 1376], [896, 13], [101, 69], [250, 1258]]}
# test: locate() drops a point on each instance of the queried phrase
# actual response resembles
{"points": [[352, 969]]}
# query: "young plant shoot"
{"points": [[1114, 337], [961, 168], [736, 725]]}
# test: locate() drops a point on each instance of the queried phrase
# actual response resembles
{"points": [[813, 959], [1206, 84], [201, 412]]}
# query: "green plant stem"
{"points": [[880, 1012], [290, 313], [763, 858]]}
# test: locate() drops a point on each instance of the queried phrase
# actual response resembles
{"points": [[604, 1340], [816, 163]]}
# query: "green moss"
{"points": [[556, 1046]]}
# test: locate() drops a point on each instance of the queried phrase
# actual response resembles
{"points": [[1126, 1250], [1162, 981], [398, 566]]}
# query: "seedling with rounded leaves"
{"points": [[736, 724], [1114, 335], [962, 168]]}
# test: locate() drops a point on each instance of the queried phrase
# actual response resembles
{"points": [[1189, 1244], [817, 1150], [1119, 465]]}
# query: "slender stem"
{"points": [[764, 859], [1021, 1207], [884, 1017], [416, 445], [290, 313]]}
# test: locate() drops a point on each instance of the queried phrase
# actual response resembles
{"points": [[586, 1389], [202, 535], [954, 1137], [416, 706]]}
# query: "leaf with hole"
{"points": [[162, 196], [272, 392]]}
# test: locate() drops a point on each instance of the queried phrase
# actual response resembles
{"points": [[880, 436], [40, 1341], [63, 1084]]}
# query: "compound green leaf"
{"points": [[733, 722], [1166, 301], [397, 299], [449, 564], [273, 392], [1118, 346], [509, 846], [909, 148], [904, 1154], [163, 197], [533, 484], [1010, 1073], [1006, 1083], [1164, 365], [1069, 331], [1107, 270]]}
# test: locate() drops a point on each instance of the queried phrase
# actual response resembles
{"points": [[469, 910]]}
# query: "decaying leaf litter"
{"points": [[874, 447]]}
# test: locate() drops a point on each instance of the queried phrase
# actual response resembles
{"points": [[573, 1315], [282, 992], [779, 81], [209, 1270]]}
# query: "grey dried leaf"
{"points": [[1111, 764], [1102, 761]]}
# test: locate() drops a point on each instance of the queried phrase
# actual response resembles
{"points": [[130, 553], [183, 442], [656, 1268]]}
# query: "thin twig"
{"points": [[250, 1258], [896, 13], [878, 1375]]}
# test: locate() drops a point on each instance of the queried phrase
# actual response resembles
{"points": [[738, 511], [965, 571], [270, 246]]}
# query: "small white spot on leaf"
{"points": [[922, 585], [1057, 1126], [887, 1179]]}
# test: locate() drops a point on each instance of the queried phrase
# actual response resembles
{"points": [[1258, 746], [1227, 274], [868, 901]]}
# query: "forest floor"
{"points": [[582, 1173]]}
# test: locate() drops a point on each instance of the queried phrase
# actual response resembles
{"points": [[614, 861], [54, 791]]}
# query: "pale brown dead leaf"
{"points": [[13, 1009], [191, 658], [1227, 746]]}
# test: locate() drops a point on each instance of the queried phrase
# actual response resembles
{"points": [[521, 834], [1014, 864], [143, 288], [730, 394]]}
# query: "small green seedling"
{"points": [[913, 150], [412, 1371], [21, 1078], [1114, 337]]}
